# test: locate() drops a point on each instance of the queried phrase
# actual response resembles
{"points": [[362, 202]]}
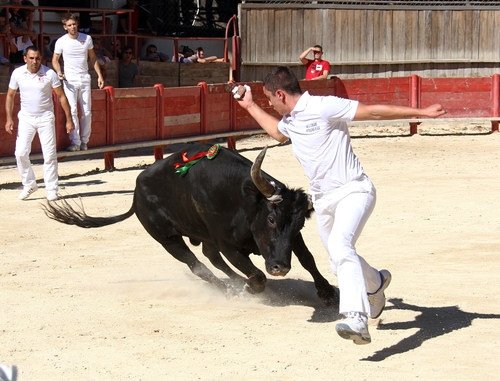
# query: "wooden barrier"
{"points": [[158, 116], [169, 74]]}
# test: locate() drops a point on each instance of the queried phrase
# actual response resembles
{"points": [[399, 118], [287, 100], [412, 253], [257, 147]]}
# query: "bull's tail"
{"points": [[63, 212]]}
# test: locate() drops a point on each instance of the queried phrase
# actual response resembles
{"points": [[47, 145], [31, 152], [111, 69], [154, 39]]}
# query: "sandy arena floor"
{"points": [[111, 304]]}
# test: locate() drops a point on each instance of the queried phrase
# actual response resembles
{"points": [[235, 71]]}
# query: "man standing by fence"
{"points": [[76, 48], [35, 83]]}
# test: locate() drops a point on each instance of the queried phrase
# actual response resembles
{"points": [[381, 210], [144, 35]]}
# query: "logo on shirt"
{"points": [[41, 78], [319, 67], [312, 127]]}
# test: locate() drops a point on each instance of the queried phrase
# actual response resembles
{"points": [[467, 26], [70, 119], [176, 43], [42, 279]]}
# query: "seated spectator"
{"points": [[21, 27], [5, 37], [48, 49], [140, 20], [103, 55], [152, 54], [117, 49], [128, 71]]}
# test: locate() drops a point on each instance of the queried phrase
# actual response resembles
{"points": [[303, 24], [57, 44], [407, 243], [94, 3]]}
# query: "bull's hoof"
{"points": [[256, 283], [329, 296], [254, 288]]}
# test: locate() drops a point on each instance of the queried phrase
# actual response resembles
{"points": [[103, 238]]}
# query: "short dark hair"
{"points": [[319, 47], [33, 48], [282, 78]]}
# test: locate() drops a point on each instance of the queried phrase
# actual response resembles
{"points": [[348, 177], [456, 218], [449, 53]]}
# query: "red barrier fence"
{"points": [[158, 116]]}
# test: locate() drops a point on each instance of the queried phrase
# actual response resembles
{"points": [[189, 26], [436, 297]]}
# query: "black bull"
{"points": [[226, 204]]}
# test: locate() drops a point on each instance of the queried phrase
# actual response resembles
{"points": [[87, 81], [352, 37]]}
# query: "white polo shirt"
{"points": [[320, 140], [75, 52], [36, 89]]}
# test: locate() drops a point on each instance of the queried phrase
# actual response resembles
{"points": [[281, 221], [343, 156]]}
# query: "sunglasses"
{"points": [[127, 52], [152, 51]]}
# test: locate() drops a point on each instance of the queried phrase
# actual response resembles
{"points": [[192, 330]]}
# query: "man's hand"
{"points": [[9, 126], [243, 94], [434, 111], [70, 126], [100, 82]]}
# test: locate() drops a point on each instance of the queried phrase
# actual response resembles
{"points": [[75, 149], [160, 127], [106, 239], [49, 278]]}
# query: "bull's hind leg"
{"points": [[213, 254], [179, 250]]}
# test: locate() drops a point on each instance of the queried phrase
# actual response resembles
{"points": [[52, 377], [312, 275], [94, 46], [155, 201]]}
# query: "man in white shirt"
{"points": [[343, 195], [76, 48], [35, 83]]}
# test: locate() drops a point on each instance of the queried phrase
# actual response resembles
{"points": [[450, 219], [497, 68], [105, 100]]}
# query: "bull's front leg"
{"points": [[256, 282], [326, 292]]}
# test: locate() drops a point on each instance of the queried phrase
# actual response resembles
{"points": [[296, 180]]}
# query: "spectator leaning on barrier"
{"points": [[77, 48], [200, 57], [183, 56], [128, 71], [35, 83], [316, 68], [152, 54]]}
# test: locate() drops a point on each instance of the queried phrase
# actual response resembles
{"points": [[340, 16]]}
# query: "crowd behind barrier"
{"points": [[138, 42], [158, 116]]}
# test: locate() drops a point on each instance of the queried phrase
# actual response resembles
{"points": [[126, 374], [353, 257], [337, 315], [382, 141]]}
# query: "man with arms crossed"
{"points": [[76, 49], [35, 83], [343, 196]]}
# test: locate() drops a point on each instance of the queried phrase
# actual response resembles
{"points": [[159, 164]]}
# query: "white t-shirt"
{"points": [[36, 89], [320, 140], [75, 53]]}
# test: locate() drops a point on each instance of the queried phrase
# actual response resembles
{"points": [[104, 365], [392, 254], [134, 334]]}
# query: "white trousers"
{"points": [[341, 216], [28, 127], [78, 92]]}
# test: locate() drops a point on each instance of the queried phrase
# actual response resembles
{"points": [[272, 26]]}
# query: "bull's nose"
{"points": [[278, 269]]}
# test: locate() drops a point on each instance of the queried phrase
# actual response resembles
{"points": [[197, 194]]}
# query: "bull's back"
{"points": [[207, 197]]}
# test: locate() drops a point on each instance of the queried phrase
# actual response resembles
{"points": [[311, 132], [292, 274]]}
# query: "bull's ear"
{"points": [[250, 191]]}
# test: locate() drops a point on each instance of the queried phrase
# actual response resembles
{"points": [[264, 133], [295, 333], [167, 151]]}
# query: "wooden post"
{"points": [[109, 157], [495, 88], [414, 100], [160, 113]]}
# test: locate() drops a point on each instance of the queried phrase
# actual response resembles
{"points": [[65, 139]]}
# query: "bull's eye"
{"points": [[271, 221]]}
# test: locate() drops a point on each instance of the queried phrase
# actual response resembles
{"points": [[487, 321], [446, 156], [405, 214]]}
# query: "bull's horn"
{"points": [[264, 186]]}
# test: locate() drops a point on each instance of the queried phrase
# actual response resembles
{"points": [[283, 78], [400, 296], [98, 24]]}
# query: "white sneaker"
{"points": [[377, 299], [52, 196], [8, 373], [27, 192], [354, 327]]}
